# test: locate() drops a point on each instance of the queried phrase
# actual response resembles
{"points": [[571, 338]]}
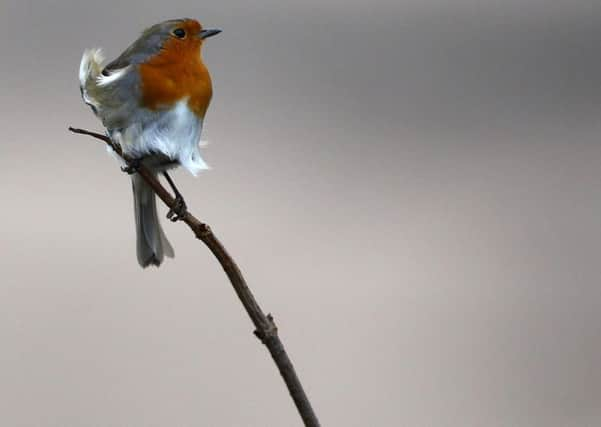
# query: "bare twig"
{"points": [[266, 329]]}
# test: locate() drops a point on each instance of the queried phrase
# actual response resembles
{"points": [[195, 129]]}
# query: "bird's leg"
{"points": [[131, 166], [178, 211]]}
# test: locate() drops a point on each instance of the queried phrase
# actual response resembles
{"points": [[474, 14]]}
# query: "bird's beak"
{"points": [[208, 33]]}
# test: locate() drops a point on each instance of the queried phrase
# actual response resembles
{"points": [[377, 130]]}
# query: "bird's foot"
{"points": [[179, 209], [131, 166]]}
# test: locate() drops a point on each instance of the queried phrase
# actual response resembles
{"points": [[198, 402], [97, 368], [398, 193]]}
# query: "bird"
{"points": [[152, 100]]}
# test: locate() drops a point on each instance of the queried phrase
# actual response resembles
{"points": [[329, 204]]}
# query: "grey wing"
{"points": [[118, 98], [111, 93]]}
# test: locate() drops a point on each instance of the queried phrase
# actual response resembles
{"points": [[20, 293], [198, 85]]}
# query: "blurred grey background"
{"points": [[411, 187]]}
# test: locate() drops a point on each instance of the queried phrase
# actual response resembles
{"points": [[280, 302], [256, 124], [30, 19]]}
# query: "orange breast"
{"points": [[177, 72]]}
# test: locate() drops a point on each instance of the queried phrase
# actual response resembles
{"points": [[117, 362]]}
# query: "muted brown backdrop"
{"points": [[411, 187]]}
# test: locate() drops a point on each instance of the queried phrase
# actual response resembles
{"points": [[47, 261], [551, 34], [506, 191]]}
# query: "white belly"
{"points": [[175, 133]]}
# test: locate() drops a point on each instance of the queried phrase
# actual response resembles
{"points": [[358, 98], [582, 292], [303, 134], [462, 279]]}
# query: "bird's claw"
{"points": [[131, 167], [179, 209]]}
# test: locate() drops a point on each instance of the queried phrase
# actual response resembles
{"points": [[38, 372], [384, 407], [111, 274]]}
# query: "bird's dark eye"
{"points": [[180, 33]]}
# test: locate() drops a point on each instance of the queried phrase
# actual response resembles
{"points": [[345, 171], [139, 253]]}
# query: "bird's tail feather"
{"points": [[152, 244], [90, 69]]}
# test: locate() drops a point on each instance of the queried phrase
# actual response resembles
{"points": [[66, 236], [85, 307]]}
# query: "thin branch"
{"points": [[266, 329]]}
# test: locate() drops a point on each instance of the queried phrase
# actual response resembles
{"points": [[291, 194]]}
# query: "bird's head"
{"points": [[177, 34]]}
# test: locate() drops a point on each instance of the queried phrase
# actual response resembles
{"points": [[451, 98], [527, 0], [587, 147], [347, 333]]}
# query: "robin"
{"points": [[152, 101]]}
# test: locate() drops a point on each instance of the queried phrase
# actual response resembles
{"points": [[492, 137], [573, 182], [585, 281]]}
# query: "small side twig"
{"points": [[266, 329]]}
